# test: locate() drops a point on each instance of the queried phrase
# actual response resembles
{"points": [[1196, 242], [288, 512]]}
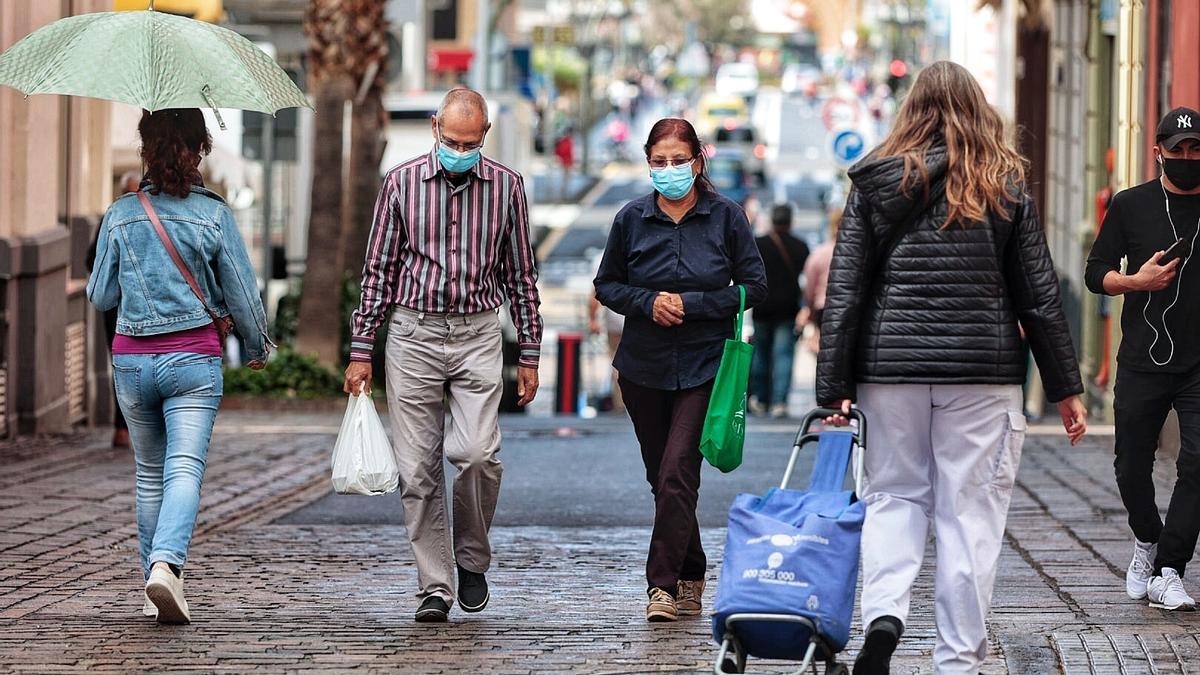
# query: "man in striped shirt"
{"points": [[449, 244]]}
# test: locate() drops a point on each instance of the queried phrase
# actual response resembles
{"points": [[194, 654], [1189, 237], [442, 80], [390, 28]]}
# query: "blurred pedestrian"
{"points": [[617, 131], [450, 243], [753, 209], [937, 260], [128, 183], [1154, 227], [783, 256], [604, 321], [167, 351], [564, 150], [816, 280], [668, 267]]}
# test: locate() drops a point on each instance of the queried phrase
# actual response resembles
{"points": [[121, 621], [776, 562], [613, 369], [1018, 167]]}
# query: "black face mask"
{"points": [[1184, 173]]}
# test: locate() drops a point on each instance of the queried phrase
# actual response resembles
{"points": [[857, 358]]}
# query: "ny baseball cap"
{"points": [[1178, 125]]}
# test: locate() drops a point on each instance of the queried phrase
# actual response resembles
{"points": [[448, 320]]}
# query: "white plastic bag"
{"points": [[363, 460]]}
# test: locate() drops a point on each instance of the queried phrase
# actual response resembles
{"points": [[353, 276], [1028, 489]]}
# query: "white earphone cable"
{"points": [[1178, 285]]}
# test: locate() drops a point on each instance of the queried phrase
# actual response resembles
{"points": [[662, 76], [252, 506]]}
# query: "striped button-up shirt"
{"points": [[449, 249]]}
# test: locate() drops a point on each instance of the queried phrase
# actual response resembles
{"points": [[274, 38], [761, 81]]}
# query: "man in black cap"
{"points": [[1154, 227]]}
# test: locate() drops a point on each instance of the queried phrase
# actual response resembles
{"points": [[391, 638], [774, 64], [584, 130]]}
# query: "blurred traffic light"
{"points": [[897, 75]]}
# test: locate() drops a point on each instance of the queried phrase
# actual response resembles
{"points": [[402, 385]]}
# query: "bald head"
{"points": [[463, 102]]}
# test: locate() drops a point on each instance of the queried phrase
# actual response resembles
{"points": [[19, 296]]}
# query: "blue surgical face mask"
{"points": [[455, 161], [674, 182]]}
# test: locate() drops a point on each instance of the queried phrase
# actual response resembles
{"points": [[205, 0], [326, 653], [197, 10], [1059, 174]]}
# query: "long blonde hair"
{"points": [[985, 172]]}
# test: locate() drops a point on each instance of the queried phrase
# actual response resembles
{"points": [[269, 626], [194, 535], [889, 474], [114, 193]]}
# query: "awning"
{"points": [[211, 11], [447, 59]]}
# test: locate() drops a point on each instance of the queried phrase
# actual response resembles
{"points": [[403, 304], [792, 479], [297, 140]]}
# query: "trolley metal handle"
{"points": [[819, 415], [805, 435]]}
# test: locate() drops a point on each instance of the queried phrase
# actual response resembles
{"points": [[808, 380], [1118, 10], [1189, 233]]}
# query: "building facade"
{"points": [[55, 183]]}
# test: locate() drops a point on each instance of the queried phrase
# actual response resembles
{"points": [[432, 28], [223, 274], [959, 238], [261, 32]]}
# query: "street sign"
{"points": [[840, 112], [847, 145], [563, 35]]}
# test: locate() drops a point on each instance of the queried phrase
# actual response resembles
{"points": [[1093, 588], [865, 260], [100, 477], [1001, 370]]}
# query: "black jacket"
{"points": [[698, 258], [783, 277], [943, 308], [1138, 226]]}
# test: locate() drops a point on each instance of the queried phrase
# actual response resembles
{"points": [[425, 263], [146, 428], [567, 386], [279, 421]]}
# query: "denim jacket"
{"points": [[134, 272]]}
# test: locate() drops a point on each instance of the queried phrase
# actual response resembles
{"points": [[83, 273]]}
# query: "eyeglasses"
{"points": [[461, 147], [664, 163]]}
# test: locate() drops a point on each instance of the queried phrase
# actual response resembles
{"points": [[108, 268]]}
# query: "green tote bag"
{"points": [[725, 423]]}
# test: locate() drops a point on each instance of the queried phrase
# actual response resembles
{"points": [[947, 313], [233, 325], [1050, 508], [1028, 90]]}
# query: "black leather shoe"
{"points": [[876, 655], [473, 593], [433, 610]]}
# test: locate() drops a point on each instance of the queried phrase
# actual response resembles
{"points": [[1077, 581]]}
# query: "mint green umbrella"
{"points": [[149, 59]]}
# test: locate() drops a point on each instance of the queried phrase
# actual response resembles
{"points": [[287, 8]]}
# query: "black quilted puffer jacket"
{"points": [[944, 307]]}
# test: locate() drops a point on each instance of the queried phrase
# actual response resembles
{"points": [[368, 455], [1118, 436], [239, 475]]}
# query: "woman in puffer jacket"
{"points": [[939, 265]]}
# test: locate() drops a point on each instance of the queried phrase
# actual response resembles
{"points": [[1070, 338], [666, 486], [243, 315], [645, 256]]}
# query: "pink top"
{"points": [[816, 275], [202, 340]]}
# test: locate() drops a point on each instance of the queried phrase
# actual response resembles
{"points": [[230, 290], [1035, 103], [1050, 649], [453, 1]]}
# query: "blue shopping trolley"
{"points": [[791, 559]]}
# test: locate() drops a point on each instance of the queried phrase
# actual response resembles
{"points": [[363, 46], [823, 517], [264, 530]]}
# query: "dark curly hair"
{"points": [[173, 142]]}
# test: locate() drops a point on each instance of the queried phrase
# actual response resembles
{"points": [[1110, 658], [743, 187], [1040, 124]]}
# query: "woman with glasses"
{"points": [[672, 266]]}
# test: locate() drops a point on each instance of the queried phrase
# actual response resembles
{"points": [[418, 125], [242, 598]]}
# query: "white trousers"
{"points": [[946, 454]]}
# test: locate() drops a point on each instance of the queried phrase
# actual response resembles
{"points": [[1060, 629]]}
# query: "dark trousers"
{"points": [[668, 426], [1141, 403], [771, 366]]}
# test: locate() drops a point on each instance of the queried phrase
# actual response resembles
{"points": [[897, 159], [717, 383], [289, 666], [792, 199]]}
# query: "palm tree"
{"points": [[347, 51]]}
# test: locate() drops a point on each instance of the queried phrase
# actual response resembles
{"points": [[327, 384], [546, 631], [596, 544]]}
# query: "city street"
{"points": [[285, 577]]}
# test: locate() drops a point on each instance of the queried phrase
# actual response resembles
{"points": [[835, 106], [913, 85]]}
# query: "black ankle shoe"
{"points": [[876, 655], [473, 593], [433, 610]]}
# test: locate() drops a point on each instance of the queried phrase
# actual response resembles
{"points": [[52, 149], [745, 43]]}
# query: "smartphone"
{"points": [[1180, 249]]}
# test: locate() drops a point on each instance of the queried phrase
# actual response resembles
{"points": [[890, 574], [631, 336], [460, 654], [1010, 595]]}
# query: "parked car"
{"points": [[737, 79], [745, 139], [717, 110], [728, 173], [800, 79]]}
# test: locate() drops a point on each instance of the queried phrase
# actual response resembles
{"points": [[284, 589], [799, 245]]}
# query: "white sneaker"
{"points": [[1140, 569], [165, 590], [757, 407], [148, 608], [1166, 592], [779, 410]]}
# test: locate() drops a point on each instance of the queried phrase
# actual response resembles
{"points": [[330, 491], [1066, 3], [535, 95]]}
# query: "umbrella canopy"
{"points": [[148, 59]]}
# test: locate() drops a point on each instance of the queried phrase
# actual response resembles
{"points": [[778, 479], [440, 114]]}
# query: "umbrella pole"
{"points": [[207, 97]]}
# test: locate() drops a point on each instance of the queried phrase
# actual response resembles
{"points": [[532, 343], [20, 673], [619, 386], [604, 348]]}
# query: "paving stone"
{"points": [[274, 597]]}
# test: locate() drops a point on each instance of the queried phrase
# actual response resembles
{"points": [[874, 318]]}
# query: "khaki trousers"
{"points": [[439, 364]]}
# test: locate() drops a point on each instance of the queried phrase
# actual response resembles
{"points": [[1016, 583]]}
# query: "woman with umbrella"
{"points": [[171, 260], [169, 257]]}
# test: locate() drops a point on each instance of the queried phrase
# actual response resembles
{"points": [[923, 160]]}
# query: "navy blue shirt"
{"points": [[698, 258]]}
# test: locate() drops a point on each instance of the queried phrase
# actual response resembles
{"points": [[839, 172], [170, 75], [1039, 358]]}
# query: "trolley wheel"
{"points": [[735, 659], [835, 668]]}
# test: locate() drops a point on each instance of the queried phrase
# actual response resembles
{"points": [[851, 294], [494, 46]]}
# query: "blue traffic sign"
{"points": [[848, 146]]}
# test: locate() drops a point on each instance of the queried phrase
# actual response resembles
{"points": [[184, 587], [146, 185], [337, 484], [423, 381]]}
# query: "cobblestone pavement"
{"points": [[277, 597]]}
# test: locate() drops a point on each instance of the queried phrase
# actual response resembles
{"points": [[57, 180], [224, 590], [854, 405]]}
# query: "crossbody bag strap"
{"points": [[787, 257], [173, 252]]}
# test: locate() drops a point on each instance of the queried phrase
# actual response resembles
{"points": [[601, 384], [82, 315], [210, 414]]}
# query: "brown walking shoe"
{"points": [[661, 607], [690, 594]]}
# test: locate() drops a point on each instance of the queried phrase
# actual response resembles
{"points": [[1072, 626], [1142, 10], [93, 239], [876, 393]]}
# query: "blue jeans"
{"points": [[170, 402], [771, 367]]}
